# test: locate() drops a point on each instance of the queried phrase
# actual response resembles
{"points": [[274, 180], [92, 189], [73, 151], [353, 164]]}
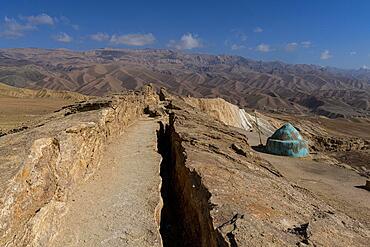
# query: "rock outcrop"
{"points": [[232, 115], [39, 167], [216, 190], [220, 196], [337, 144]]}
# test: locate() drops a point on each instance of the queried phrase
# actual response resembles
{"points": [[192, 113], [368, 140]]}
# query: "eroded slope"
{"points": [[226, 195], [273, 86]]}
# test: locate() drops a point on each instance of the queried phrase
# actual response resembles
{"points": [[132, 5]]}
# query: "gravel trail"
{"points": [[119, 204]]}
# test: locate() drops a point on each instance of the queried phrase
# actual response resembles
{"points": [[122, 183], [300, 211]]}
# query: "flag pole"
{"points": [[258, 128]]}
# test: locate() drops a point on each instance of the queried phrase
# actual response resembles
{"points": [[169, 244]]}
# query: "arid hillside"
{"points": [[188, 173], [269, 86], [20, 107]]}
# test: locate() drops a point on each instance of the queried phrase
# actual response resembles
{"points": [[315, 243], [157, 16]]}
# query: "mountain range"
{"points": [[269, 86]]}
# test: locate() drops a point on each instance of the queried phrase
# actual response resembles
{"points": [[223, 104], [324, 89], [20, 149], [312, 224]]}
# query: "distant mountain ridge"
{"points": [[271, 86], [23, 93]]}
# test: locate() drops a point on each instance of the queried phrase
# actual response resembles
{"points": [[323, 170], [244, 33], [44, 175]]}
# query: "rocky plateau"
{"points": [[216, 188]]}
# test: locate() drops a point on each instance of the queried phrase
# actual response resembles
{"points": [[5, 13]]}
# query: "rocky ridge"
{"points": [[6, 90], [216, 190], [41, 166], [269, 86], [233, 198], [232, 115]]}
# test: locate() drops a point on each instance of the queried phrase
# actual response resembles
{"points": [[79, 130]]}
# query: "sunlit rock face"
{"points": [[231, 114], [225, 194], [40, 167]]}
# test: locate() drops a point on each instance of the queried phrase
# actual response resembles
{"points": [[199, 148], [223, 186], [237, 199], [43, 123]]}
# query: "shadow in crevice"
{"points": [[364, 187], [260, 148], [185, 216], [171, 228]]}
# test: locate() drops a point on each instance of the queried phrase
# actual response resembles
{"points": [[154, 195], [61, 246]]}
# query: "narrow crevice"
{"points": [[232, 240], [185, 216], [170, 229], [233, 223]]}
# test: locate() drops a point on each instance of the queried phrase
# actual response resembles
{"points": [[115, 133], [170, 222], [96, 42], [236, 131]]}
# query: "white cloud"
{"points": [[41, 19], [291, 46], [325, 55], [258, 30], [263, 48], [100, 37], [352, 53], [13, 29], [306, 44], [18, 27], [235, 47], [133, 39], [365, 67], [187, 42], [63, 37]]}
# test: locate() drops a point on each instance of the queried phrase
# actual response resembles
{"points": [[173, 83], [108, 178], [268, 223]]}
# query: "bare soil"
{"points": [[119, 205], [352, 127], [338, 186], [18, 112]]}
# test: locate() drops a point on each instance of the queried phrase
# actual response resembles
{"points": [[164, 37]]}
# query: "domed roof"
{"points": [[287, 141], [287, 133]]}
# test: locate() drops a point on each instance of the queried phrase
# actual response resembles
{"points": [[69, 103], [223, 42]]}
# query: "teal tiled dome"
{"points": [[288, 142]]}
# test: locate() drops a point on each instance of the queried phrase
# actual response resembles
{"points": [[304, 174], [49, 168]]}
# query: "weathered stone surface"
{"points": [[238, 149], [367, 185], [326, 143], [154, 111], [232, 115], [226, 199], [216, 190], [40, 167]]}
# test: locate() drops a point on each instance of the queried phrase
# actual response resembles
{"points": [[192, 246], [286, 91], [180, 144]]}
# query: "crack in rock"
{"points": [[303, 231], [229, 227]]}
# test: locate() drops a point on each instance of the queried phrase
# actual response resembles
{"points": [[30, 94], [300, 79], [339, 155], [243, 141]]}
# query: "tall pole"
{"points": [[258, 128]]}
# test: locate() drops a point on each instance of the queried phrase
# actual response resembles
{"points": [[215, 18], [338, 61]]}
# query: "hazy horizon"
{"points": [[304, 32]]}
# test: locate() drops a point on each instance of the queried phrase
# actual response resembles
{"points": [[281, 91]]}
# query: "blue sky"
{"points": [[329, 33]]}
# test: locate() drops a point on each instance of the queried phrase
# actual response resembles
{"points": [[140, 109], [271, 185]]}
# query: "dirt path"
{"points": [[331, 183], [117, 205]]}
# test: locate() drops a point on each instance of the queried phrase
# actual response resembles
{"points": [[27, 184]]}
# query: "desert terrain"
{"points": [[20, 108], [93, 155], [269, 86]]}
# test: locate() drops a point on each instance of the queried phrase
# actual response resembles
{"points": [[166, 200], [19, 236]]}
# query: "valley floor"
{"points": [[18, 112], [119, 205]]}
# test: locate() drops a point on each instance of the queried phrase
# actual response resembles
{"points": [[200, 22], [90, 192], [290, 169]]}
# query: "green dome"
{"points": [[288, 142]]}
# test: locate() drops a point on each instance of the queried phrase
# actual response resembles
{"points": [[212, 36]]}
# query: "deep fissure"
{"points": [[170, 229], [185, 216]]}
